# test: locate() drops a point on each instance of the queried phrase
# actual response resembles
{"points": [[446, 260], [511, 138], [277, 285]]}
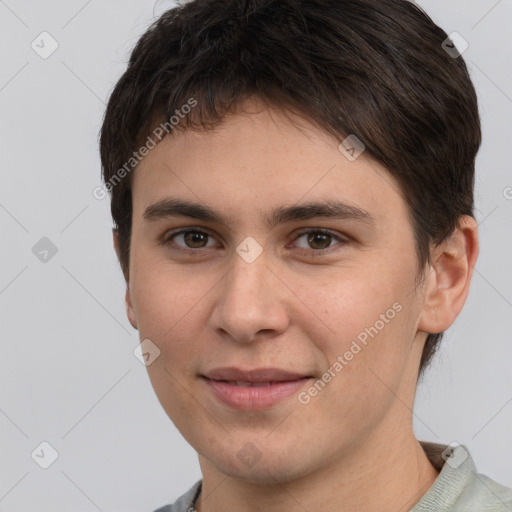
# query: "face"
{"points": [[259, 278]]}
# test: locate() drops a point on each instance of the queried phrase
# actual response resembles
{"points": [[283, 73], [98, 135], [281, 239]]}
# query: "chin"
{"points": [[261, 467]]}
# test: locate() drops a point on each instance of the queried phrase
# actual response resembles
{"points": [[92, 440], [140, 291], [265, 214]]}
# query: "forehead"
{"points": [[259, 160]]}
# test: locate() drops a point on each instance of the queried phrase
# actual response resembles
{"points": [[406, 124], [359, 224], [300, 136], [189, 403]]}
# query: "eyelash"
{"points": [[309, 252]]}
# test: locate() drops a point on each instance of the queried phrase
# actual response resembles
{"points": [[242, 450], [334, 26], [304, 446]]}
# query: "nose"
{"points": [[251, 302]]}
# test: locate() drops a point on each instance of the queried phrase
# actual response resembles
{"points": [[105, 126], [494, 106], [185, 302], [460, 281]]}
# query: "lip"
{"points": [[222, 382]]}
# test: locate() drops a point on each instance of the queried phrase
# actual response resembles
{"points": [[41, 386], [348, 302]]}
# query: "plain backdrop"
{"points": [[68, 374]]}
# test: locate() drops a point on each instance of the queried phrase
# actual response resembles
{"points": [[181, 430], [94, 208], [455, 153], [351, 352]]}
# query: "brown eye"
{"points": [[318, 241], [188, 240], [195, 239]]}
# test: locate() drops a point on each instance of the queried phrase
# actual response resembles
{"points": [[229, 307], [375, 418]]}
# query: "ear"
{"points": [[447, 284], [115, 238], [130, 312]]}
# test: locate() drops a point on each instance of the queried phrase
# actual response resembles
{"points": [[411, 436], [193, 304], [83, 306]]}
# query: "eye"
{"points": [[192, 238], [318, 241], [310, 242]]}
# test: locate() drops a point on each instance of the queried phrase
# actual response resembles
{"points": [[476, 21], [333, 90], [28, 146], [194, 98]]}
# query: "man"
{"points": [[292, 191]]}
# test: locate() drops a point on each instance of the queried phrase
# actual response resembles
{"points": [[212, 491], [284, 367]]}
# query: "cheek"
{"points": [[364, 365], [169, 305], [169, 311], [350, 303], [364, 327]]}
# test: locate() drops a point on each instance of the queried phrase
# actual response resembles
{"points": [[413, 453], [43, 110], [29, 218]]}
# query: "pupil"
{"points": [[320, 236], [193, 236]]}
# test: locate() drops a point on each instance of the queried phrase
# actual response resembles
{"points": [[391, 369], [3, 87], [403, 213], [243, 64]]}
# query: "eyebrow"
{"points": [[173, 207]]}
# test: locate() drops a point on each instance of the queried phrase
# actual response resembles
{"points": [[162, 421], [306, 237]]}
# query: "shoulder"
{"points": [[185, 503], [488, 494], [459, 487]]}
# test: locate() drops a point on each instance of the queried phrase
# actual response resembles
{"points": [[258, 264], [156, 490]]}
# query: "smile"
{"points": [[250, 396]]}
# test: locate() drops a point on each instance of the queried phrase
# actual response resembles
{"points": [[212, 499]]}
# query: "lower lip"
{"points": [[250, 398]]}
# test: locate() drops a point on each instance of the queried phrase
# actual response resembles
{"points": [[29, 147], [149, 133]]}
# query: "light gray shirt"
{"points": [[458, 487]]}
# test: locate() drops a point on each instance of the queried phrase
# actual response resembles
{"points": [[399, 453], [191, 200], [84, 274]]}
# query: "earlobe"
{"points": [[115, 239], [447, 285], [130, 312]]}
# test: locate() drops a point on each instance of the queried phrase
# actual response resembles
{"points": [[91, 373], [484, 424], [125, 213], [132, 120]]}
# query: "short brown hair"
{"points": [[373, 68]]}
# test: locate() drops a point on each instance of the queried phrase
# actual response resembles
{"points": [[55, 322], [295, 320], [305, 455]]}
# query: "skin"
{"points": [[352, 447]]}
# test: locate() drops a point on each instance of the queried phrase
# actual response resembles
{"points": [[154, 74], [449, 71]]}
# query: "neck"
{"points": [[374, 476]]}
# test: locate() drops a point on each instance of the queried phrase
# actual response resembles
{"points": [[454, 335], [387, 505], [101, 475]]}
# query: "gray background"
{"points": [[68, 373]]}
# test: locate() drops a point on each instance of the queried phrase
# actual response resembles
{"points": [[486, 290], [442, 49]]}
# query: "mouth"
{"points": [[253, 389], [254, 376], [255, 384]]}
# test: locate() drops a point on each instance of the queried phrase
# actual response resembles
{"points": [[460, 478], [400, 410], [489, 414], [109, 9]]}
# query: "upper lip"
{"points": [[253, 375]]}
